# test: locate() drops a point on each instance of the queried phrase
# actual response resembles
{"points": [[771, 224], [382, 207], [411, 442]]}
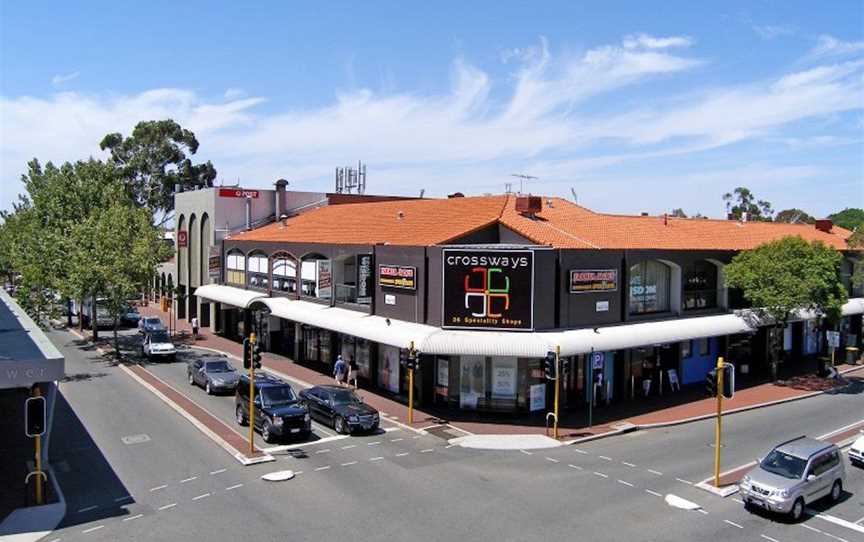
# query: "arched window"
{"points": [[235, 268], [257, 266], [700, 285], [649, 287], [284, 273]]}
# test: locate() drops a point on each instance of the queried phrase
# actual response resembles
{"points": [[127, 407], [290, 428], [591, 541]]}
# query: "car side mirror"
{"points": [[811, 477]]}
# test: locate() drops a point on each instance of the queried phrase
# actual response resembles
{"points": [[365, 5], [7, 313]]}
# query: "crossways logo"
{"points": [[482, 296]]}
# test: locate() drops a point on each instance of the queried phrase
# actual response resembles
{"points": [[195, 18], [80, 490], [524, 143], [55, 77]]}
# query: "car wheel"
{"points": [[836, 491], [238, 414], [340, 426], [191, 380], [207, 388], [265, 432], [797, 511]]}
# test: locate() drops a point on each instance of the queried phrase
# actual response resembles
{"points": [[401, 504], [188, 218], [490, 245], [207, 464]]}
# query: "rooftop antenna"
{"points": [[575, 195], [523, 177], [508, 188], [422, 191]]}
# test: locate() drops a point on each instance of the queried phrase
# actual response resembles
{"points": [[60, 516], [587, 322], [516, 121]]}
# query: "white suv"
{"points": [[158, 344], [856, 452]]}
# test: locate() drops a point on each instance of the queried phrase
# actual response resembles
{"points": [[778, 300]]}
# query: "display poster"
{"points": [[488, 289], [593, 280], [443, 372], [388, 372], [324, 279], [403, 277], [215, 264], [537, 397], [504, 378], [472, 381], [364, 278]]}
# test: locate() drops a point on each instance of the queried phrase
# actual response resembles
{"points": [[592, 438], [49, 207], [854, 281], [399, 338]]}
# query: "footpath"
{"points": [[672, 409]]}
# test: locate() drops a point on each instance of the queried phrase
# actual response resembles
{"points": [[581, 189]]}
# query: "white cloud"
{"points": [[770, 31], [235, 93], [644, 41], [59, 79], [830, 46]]}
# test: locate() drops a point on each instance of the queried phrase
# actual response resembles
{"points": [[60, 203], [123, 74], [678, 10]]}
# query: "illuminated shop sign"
{"points": [[593, 280], [397, 276]]}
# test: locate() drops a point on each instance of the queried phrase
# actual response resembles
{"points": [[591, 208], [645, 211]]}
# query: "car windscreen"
{"points": [[218, 367], [278, 395], [785, 465], [153, 322], [345, 397], [159, 337]]}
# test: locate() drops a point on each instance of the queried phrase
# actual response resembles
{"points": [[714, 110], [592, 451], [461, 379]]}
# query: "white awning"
{"points": [[237, 297], [374, 328], [489, 343]]}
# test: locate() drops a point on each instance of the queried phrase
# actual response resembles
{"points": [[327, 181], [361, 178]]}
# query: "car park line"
{"points": [[136, 516]]}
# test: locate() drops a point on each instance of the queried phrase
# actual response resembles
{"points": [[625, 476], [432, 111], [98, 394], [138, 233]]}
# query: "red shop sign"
{"points": [[182, 238], [237, 193]]}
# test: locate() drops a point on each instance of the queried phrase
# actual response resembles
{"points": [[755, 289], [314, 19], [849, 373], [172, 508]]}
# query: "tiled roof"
{"points": [[561, 224]]}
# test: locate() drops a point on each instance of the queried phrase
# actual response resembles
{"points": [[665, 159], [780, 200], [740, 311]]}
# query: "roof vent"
{"points": [[824, 225], [644, 213], [400, 215], [529, 205], [456, 195]]}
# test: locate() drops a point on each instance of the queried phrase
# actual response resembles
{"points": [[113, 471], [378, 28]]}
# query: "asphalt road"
{"points": [[398, 485]]}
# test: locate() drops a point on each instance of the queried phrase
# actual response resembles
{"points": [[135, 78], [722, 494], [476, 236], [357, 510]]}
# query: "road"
{"points": [[174, 483]]}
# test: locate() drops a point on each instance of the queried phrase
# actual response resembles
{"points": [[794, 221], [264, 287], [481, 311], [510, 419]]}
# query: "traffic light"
{"points": [[549, 366], [247, 354], [711, 383], [256, 355], [728, 380], [34, 416], [565, 367]]}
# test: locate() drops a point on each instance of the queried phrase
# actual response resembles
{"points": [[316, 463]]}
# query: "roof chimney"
{"points": [[824, 225], [529, 205], [280, 196]]}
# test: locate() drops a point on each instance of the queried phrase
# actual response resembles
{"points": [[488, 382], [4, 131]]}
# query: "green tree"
{"points": [[856, 243], [154, 159], [741, 200], [785, 276], [678, 213], [794, 216], [849, 218]]}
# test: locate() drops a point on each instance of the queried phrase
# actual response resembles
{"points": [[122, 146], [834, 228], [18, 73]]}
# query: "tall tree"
{"points": [[154, 159], [794, 216], [849, 218], [785, 276], [678, 213], [741, 200]]}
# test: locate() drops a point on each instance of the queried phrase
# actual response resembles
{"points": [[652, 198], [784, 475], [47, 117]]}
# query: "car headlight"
{"points": [[306, 417], [782, 493], [353, 418], [277, 420]]}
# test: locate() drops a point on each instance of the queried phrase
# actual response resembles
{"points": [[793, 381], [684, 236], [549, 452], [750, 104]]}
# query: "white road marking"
{"points": [[626, 483], [123, 498], [768, 538], [402, 454], [449, 446], [396, 439], [838, 521], [577, 467], [860, 520], [199, 497], [88, 508], [235, 486], [739, 501], [526, 452], [91, 529], [658, 473], [601, 474], [157, 488], [55, 540], [427, 450], [628, 464], [349, 446], [391, 429], [188, 479], [702, 511], [605, 458], [653, 493], [215, 472], [136, 516], [322, 468], [814, 529], [286, 447], [348, 464], [578, 451], [732, 523], [167, 506], [379, 458], [417, 436], [552, 459], [324, 451], [829, 535], [376, 443], [688, 482]]}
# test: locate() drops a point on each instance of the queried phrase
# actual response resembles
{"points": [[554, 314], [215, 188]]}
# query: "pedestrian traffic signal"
{"points": [[565, 367], [711, 383], [34, 416], [256, 355], [550, 366], [728, 380], [247, 354]]}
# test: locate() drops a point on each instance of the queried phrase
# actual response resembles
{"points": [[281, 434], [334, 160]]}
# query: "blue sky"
{"points": [[637, 106]]}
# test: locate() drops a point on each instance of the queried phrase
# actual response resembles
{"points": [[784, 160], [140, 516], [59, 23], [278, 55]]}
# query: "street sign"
{"points": [[833, 338]]}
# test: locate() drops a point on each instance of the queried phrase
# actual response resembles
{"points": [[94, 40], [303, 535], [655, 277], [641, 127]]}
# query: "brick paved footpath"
{"points": [[646, 412]]}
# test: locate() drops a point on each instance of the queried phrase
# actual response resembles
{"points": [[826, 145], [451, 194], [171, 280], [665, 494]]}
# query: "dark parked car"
{"points": [[130, 317], [341, 408], [213, 374], [279, 412]]}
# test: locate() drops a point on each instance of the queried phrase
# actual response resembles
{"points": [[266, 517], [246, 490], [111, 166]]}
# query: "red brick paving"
{"points": [[606, 418]]}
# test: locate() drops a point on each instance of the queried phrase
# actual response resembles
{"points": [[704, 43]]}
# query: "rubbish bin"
{"points": [[852, 355]]}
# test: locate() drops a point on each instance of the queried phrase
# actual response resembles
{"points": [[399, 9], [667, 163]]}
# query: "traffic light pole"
{"points": [[251, 394], [38, 462], [411, 385], [719, 425], [557, 389]]}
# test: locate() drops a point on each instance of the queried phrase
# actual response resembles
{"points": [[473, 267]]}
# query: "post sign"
{"points": [[364, 278], [593, 280], [182, 238], [833, 338], [238, 193], [598, 360], [215, 264], [537, 397], [397, 276], [488, 289]]}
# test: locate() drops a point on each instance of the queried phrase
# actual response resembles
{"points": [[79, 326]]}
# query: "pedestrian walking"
{"points": [[340, 371], [141, 325], [352, 372], [194, 323]]}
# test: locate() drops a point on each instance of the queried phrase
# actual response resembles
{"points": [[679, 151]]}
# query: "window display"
{"points": [[649, 287]]}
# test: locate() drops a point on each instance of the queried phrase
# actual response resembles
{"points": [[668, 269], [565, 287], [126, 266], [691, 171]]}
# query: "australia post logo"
{"points": [[491, 290]]}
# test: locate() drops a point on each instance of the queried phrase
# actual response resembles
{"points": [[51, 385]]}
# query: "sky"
{"points": [[633, 106]]}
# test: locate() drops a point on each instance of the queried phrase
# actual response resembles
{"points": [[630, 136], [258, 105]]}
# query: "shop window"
{"points": [[259, 276], [235, 268], [700, 285], [284, 274], [472, 382], [363, 363], [310, 339], [686, 349], [649, 287], [704, 347]]}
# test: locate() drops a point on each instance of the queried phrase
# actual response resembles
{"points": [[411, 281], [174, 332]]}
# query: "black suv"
{"points": [[278, 410]]}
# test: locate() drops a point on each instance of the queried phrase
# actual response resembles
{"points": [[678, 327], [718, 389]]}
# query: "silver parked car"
{"points": [[793, 475], [213, 374]]}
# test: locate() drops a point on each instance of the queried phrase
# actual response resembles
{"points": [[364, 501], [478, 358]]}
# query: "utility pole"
{"points": [[719, 425]]}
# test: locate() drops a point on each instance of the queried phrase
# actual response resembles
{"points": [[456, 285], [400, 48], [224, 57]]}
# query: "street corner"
{"points": [[505, 442]]}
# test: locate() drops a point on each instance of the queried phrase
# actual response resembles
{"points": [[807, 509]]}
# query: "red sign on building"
{"points": [[237, 193], [182, 238]]}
